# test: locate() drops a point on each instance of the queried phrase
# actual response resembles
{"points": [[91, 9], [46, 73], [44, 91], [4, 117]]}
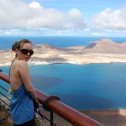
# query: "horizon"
{"points": [[23, 35], [78, 18], [58, 41]]}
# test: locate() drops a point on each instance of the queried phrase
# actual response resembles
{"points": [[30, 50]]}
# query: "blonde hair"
{"points": [[17, 45]]}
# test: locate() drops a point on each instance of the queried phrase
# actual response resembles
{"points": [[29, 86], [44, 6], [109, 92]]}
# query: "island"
{"points": [[100, 51]]}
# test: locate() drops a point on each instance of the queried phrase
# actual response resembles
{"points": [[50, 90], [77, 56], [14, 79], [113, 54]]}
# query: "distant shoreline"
{"points": [[102, 51], [91, 58]]}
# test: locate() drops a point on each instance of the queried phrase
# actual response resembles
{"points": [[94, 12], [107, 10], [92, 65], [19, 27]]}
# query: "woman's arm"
{"points": [[25, 77]]}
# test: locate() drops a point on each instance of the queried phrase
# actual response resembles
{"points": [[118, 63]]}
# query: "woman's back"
{"points": [[23, 92], [15, 78]]}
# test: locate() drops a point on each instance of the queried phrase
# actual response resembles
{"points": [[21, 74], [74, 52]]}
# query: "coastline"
{"points": [[106, 117], [109, 111], [45, 54], [104, 51], [95, 58], [109, 117]]}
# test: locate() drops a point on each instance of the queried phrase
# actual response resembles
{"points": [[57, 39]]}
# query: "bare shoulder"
{"points": [[21, 64]]}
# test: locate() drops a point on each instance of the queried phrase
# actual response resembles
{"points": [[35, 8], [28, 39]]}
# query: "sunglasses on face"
{"points": [[26, 51]]}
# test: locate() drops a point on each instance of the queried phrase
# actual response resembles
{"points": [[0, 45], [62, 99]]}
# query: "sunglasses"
{"points": [[26, 51]]}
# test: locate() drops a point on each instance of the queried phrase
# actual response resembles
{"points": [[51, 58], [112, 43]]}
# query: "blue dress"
{"points": [[21, 106]]}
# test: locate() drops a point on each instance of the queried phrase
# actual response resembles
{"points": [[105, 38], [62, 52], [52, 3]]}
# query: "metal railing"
{"points": [[4, 96], [54, 105]]}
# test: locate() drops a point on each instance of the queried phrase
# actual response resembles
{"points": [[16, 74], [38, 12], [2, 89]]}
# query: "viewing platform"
{"points": [[51, 111]]}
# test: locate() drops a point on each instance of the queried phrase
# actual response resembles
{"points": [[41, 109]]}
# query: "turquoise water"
{"points": [[6, 42], [92, 86]]}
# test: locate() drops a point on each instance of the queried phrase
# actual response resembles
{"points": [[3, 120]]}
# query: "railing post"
{"points": [[51, 118], [53, 104]]}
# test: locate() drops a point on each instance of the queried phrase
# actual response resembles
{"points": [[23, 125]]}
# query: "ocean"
{"points": [[6, 42], [90, 86]]}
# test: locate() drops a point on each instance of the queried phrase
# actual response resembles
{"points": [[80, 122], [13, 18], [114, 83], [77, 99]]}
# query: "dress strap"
{"points": [[10, 91], [10, 67]]}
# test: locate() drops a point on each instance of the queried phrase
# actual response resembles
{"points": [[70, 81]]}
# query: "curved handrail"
{"points": [[71, 115]]}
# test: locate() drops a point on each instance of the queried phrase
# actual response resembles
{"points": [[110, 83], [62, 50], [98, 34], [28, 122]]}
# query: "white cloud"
{"points": [[16, 14], [111, 19], [35, 5]]}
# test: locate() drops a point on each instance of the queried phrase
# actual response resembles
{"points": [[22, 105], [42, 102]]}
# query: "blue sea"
{"points": [[90, 86], [6, 42]]}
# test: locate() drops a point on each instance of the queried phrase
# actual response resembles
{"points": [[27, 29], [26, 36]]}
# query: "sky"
{"points": [[63, 18]]}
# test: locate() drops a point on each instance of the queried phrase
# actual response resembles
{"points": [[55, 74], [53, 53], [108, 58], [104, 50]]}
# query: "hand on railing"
{"points": [[36, 105], [68, 113], [50, 98]]}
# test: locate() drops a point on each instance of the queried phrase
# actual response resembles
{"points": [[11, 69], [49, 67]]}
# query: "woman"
{"points": [[23, 92]]}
